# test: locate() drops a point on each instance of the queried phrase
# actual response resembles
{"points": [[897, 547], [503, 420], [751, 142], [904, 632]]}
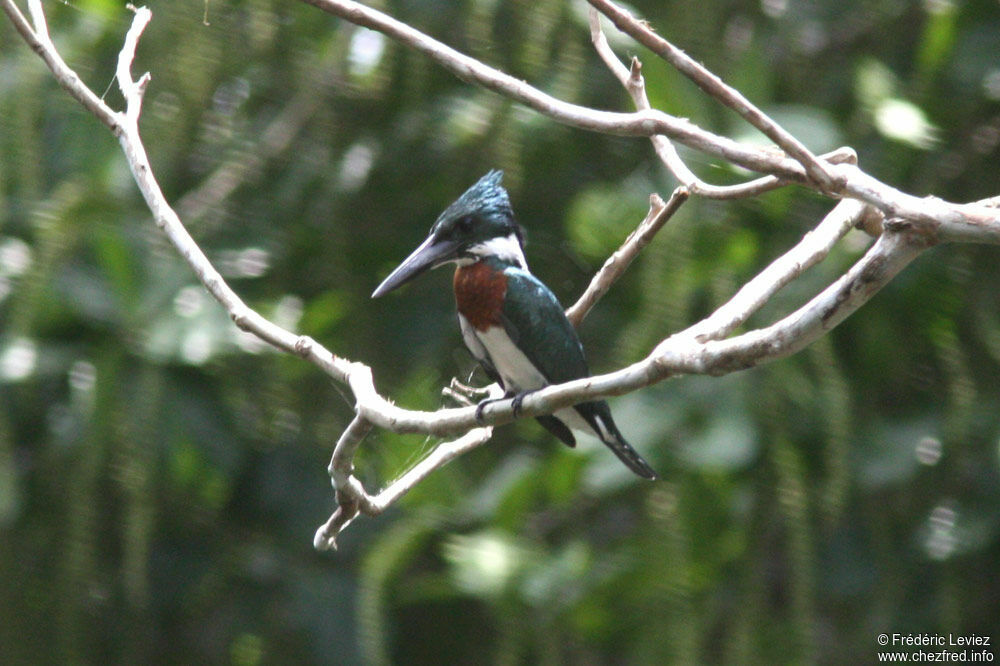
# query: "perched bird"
{"points": [[511, 322]]}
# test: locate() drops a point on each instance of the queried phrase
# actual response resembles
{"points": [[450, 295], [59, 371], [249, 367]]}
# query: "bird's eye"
{"points": [[464, 224]]}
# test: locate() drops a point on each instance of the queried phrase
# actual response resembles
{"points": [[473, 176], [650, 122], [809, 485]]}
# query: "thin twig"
{"points": [[349, 491], [39, 41], [640, 123], [715, 87], [464, 394], [890, 254], [351, 496], [615, 265], [442, 454], [341, 462], [631, 79], [633, 82], [132, 91]]}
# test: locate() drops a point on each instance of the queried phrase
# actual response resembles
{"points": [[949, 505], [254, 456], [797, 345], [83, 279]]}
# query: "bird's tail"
{"points": [[605, 428]]}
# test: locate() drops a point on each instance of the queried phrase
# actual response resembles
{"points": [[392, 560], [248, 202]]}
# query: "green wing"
{"points": [[536, 322]]}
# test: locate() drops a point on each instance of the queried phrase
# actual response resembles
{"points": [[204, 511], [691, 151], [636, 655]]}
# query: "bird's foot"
{"points": [[515, 402], [482, 405]]}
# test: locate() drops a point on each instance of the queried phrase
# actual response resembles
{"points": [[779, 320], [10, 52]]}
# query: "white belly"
{"points": [[517, 371]]}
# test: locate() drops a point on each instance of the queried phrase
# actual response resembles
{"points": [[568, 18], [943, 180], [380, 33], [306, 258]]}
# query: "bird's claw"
{"points": [[482, 405], [515, 403]]}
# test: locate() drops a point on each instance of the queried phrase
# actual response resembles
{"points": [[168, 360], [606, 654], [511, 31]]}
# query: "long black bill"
{"points": [[432, 253]]}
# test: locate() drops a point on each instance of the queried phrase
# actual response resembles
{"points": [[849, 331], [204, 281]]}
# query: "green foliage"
{"points": [[161, 473]]}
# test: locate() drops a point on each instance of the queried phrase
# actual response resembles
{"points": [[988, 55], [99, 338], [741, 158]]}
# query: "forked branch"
{"points": [[631, 79], [715, 87]]}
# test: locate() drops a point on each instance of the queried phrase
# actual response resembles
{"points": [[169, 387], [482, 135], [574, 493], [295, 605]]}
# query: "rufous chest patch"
{"points": [[479, 294]]}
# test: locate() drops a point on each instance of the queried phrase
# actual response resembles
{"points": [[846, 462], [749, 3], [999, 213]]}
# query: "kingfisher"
{"points": [[511, 322]]}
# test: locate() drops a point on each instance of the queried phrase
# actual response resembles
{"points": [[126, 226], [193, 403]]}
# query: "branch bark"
{"points": [[631, 79], [715, 87], [659, 213], [845, 180]]}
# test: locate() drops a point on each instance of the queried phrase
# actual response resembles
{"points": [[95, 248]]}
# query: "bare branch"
{"points": [[812, 249], [351, 495], [127, 130], [659, 213], [125, 127], [132, 91], [715, 87], [681, 353], [929, 213], [39, 41], [890, 254], [641, 123], [936, 219], [632, 80], [442, 454]]}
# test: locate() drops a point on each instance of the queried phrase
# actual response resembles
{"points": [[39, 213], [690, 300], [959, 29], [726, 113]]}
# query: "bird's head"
{"points": [[478, 224]]}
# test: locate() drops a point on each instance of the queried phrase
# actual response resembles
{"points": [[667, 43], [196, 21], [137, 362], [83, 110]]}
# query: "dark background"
{"points": [[161, 475]]}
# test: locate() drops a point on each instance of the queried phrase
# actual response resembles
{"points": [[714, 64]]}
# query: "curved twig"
{"points": [[640, 123], [631, 79], [812, 249], [714, 86], [615, 265]]}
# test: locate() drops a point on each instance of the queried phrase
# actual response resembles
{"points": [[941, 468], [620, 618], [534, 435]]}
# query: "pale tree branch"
{"points": [[813, 248], [883, 261], [631, 79], [37, 38], [125, 127], [715, 87], [910, 225], [659, 213], [641, 123], [968, 222]]}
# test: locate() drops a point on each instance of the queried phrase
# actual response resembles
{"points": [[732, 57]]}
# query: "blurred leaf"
{"points": [[726, 443], [117, 260], [507, 493], [558, 580], [975, 54], [483, 564], [323, 312], [903, 121], [888, 455], [874, 82]]}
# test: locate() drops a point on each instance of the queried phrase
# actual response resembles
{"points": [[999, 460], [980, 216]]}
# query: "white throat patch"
{"points": [[507, 248]]}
